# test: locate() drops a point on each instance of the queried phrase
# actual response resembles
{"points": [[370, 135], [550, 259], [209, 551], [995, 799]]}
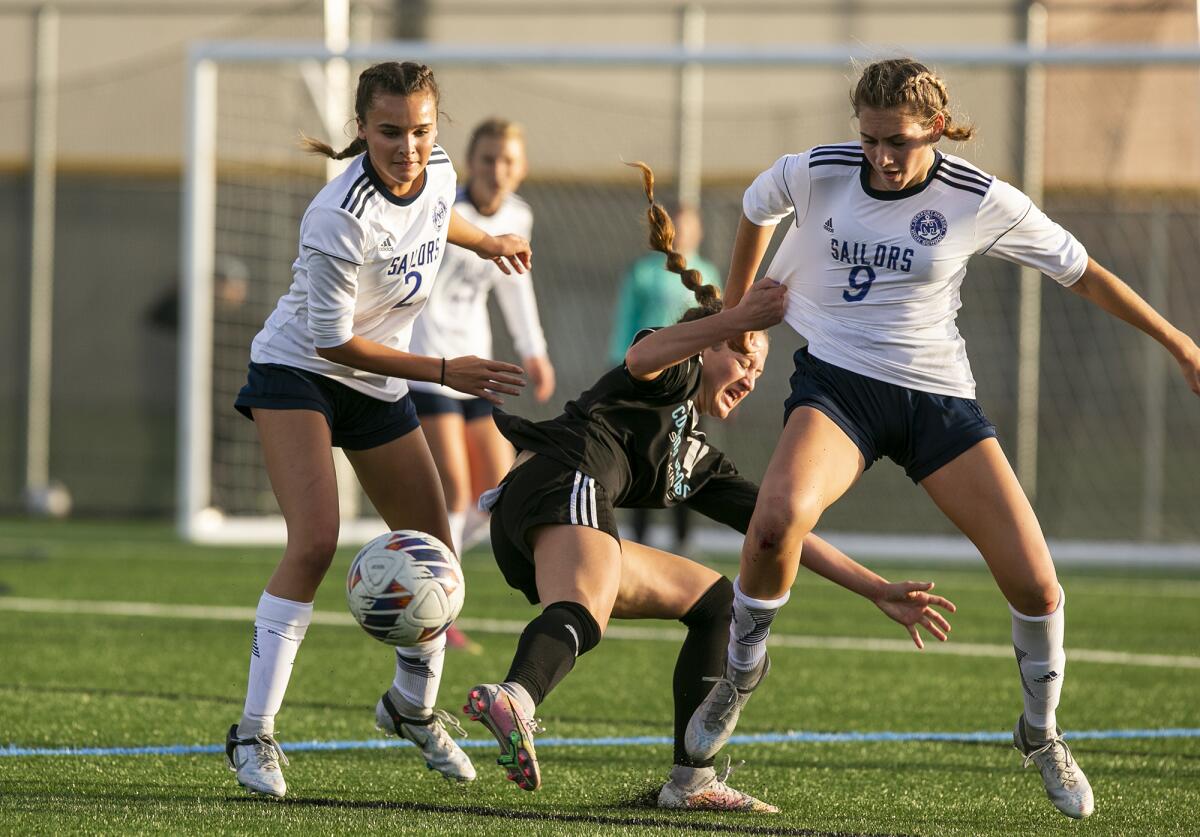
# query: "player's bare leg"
{"points": [[446, 435], [490, 456], [979, 492], [401, 480], [446, 438], [814, 463], [296, 448]]}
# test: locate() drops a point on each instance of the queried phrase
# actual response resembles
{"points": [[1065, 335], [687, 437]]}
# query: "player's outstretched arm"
{"points": [[476, 376], [509, 252], [908, 602], [1101, 286], [762, 308]]}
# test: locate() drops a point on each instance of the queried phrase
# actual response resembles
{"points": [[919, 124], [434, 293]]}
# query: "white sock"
{"points": [[458, 520], [521, 695], [749, 627], [418, 675], [279, 627], [692, 779], [477, 528], [1041, 662]]}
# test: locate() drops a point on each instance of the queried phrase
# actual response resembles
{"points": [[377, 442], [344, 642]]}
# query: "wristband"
{"points": [[442, 380]]}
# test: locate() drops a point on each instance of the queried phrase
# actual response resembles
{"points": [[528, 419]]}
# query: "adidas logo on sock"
{"points": [[828, 225], [1047, 678]]}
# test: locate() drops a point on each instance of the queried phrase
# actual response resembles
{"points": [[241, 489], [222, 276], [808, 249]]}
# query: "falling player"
{"points": [[873, 262], [630, 441], [328, 369]]}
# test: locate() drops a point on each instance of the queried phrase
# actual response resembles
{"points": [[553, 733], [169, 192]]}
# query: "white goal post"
{"points": [[201, 517]]}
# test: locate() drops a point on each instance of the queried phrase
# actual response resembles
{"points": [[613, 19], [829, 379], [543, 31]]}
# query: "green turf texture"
{"points": [[122, 681]]}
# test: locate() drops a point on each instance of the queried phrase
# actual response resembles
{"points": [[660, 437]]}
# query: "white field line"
{"points": [[948, 580], [615, 631]]}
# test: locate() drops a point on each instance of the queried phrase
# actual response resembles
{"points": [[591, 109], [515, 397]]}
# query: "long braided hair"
{"points": [[662, 239]]}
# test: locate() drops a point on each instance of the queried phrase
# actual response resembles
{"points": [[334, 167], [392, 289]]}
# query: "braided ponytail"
{"points": [[662, 239]]}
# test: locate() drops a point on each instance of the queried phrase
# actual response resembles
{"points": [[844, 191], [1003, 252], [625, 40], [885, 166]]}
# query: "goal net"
{"points": [[1109, 445]]}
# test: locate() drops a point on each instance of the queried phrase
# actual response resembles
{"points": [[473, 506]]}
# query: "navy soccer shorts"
{"points": [[356, 420], [919, 431], [434, 404]]}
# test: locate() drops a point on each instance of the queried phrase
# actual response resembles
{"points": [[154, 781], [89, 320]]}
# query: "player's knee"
{"points": [[1035, 600], [713, 609], [458, 497], [780, 517], [312, 554], [578, 621]]}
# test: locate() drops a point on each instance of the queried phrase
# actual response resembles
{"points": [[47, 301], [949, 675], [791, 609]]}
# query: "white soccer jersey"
{"points": [[367, 264], [874, 276], [455, 321]]}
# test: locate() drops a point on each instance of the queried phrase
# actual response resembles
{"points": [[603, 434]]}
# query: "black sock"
{"points": [[702, 655], [549, 645], [683, 523]]}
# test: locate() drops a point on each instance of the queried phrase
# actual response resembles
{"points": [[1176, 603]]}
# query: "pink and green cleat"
{"points": [[513, 727]]}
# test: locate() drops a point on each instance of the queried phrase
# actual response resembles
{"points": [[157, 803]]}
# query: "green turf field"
{"points": [[78, 676]]}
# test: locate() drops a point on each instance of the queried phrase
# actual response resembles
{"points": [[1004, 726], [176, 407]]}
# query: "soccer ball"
{"points": [[405, 588]]}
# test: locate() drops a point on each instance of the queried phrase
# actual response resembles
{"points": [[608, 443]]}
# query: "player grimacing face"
{"points": [[400, 132], [495, 169], [898, 147], [730, 376]]}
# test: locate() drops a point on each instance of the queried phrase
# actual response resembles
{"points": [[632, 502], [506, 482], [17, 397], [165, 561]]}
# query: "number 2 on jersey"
{"points": [[858, 290], [415, 278]]}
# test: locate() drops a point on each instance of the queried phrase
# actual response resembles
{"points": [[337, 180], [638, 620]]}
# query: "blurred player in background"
{"points": [[329, 369], [650, 298], [470, 453], [630, 441], [874, 261]]}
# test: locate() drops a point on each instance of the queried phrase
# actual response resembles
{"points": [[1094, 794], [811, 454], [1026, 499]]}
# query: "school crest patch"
{"points": [[928, 227], [440, 213]]}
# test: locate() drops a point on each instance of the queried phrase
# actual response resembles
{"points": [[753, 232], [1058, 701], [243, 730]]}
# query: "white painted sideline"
{"points": [[627, 632], [956, 549]]}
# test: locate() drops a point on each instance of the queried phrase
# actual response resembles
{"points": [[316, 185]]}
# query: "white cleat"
{"points": [[256, 761], [1065, 783], [700, 789], [429, 734], [716, 717]]}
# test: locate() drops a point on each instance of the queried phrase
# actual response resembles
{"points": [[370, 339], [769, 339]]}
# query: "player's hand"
{"points": [[762, 306], [541, 375], [509, 252], [911, 604], [484, 378], [1190, 365]]}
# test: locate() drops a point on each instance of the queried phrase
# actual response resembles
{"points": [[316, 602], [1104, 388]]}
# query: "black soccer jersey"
{"points": [[639, 440]]}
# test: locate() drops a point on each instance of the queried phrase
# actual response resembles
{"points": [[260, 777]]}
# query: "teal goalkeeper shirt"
{"points": [[653, 296]]}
